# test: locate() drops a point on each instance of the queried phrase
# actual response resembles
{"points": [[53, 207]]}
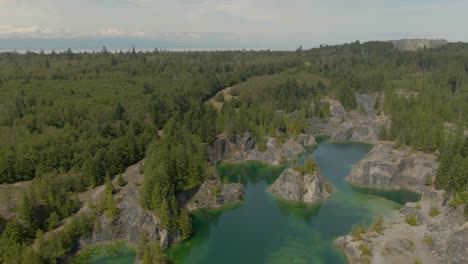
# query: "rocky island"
{"points": [[303, 184]]}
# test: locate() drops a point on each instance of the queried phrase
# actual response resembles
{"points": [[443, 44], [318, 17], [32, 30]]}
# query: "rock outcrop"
{"points": [[386, 167], [358, 125], [438, 234], [244, 148], [295, 186], [131, 224], [429, 231], [415, 44], [212, 194]]}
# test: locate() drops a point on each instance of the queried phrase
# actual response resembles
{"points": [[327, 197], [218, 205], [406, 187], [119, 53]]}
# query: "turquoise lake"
{"points": [[265, 229]]}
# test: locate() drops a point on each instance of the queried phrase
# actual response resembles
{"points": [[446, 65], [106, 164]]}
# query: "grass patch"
{"points": [[309, 167], [366, 252], [428, 241], [219, 97], [434, 212], [412, 220], [357, 231], [328, 187], [377, 225]]}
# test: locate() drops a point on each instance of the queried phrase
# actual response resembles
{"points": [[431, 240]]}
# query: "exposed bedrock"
{"points": [[430, 231], [386, 167], [131, 224], [244, 147], [212, 194], [356, 125], [295, 186]]}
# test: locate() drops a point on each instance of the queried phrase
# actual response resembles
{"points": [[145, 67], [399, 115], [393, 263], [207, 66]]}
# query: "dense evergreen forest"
{"points": [[72, 121]]}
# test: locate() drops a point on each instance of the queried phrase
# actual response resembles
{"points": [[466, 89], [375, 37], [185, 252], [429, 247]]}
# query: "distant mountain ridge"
{"points": [[415, 44]]}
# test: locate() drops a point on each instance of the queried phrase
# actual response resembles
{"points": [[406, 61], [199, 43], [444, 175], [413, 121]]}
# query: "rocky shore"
{"points": [[244, 148], [131, 223], [357, 125], [389, 167], [295, 186], [212, 194], [429, 231]]}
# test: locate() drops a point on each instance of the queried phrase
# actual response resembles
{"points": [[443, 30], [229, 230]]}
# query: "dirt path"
{"points": [[227, 97]]}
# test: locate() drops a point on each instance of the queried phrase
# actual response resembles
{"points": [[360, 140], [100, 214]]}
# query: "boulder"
{"points": [[295, 186]]}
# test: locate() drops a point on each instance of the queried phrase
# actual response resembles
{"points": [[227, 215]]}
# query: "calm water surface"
{"points": [[265, 229]]}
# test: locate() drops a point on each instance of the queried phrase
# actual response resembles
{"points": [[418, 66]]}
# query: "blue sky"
{"points": [[229, 24]]}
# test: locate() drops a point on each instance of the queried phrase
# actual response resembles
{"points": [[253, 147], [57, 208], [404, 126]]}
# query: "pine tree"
{"points": [[185, 223], [109, 188], [111, 209], [26, 212], [165, 214], [120, 180]]}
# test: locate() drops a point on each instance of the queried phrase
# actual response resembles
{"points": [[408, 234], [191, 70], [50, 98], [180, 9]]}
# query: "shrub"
{"points": [[120, 180], [365, 250], [377, 225], [357, 231], [219, 97], [262, 144], [411, 220], [235, 92], [309, 166], [428, 241], [434, 212], [217, 190]]}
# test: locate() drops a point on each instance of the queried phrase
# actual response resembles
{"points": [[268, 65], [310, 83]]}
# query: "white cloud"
{"points": [[9, 30], [296, 21]]}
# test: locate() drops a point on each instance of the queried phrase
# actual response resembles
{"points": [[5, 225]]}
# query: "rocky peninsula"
{"points": [[430, 231]]}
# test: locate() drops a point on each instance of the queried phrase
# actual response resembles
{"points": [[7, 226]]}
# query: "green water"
{"points": [[116, 253], [264, 229]]}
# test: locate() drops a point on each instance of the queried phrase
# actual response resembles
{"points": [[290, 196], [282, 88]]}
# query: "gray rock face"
{"points": [[295, 186], [363, 125], [130, 225], [441, 238], [415, 44], [212, 194], [457, 245], [350, 248], [385, 167], [244, 148]]}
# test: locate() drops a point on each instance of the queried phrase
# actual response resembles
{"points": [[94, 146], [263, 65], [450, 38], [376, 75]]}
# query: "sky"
{"points": [[223, 24]]}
